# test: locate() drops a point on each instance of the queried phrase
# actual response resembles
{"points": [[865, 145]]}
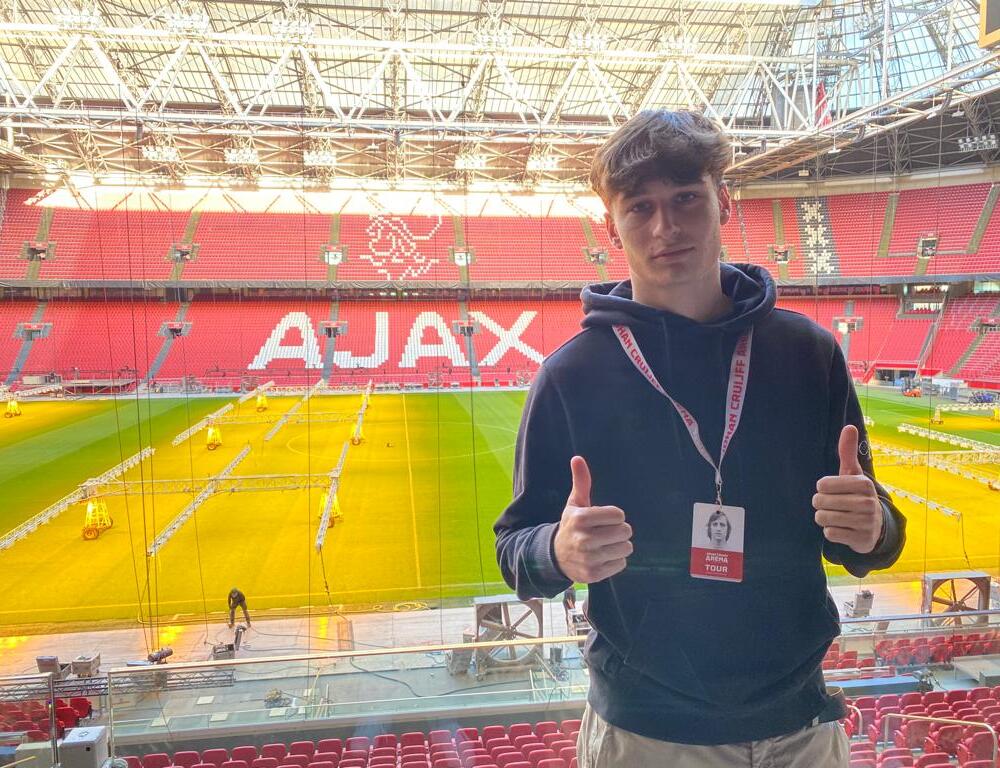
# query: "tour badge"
{"points": [[717, 542]]}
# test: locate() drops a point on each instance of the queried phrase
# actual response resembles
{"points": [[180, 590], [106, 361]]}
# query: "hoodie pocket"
{"points": [[657, 652], [728, 651]]}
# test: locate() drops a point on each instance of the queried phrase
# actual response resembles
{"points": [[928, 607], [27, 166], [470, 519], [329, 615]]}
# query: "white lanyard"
{"points": [[739, 370]]}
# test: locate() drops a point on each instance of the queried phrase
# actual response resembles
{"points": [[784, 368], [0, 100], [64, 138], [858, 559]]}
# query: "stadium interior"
{"points": [[275, 278]]}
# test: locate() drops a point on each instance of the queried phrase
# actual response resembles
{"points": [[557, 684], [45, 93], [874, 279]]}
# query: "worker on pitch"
{"points": [[237, 600]]}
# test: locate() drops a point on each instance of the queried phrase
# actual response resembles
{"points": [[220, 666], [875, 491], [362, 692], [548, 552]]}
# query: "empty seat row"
{"points": [[496, 746]]}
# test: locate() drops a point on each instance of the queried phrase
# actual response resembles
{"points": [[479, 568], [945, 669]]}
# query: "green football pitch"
{"points": [[419, 496]]}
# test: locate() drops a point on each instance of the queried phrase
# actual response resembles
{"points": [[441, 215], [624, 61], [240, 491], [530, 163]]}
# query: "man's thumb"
{"points": [[579, 496], [848, 450]]}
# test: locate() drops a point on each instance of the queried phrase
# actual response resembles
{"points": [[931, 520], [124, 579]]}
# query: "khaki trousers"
{"points": [[602, 745]]}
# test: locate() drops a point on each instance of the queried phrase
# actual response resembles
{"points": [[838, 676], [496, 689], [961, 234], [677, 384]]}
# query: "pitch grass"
{"points": [[419, 497]]}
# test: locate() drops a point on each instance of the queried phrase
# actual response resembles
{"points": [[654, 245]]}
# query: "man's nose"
{"points": [[665, 223]]}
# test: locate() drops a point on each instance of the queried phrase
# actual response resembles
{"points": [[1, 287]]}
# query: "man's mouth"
{"points": [[671, 253]]}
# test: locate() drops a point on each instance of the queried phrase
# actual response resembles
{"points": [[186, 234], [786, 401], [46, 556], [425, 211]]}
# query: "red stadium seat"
{"points": [[246, 752], [156, 760], [493, 732], [519, 729], [896, 762], [82, 706], [956, 695], [330, 745], [945, 739], [912, 734], [215, 756], [274, 750], [978, 746], [569, 726], [306, 748], [187, 758]]}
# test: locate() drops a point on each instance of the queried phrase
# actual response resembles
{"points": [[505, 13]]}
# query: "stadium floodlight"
{"points": [[320, 158], [242, 156], [589, 41], [158, 154], [470, 162], [285, 28], [679, 44], [978, 143], [543, 163], [187, 22], [85, 18], [500, 39]]}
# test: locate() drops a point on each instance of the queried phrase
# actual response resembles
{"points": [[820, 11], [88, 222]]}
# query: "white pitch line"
{"points": [[413, 504]]}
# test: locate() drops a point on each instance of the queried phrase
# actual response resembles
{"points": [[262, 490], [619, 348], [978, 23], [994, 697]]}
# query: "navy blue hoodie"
{"points": [[672, 657]]}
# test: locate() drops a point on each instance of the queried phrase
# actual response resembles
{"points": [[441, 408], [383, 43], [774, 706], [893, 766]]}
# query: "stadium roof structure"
{"points": [[479, 93]]}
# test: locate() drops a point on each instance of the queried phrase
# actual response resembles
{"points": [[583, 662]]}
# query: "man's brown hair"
{"points": [[680, 146]]}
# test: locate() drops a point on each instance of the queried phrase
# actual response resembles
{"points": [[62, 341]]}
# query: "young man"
{"points": [[688, 393]]}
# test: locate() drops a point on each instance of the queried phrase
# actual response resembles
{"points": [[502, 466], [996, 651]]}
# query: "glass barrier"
{"points": [[454, 683], [29, 730], [436, 683], [450, 684]]}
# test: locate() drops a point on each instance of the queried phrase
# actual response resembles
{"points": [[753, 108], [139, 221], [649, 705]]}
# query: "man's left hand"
{"points": [[847, 505]]}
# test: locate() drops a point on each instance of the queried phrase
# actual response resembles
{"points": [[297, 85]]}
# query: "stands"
{"points": [[546, 744], [955, 332], [275, 247], [409, 340]]}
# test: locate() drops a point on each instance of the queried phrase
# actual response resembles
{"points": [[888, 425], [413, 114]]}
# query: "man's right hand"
{"points": [[592, 543]]}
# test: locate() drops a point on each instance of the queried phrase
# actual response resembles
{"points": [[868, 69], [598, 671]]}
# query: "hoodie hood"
{"points": [[750, 288]]}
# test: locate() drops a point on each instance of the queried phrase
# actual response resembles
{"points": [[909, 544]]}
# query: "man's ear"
{"points": [[609, 224], [725, 203]]}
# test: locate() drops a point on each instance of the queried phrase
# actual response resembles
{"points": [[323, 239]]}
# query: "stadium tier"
{"points": [[407, 340], [544, 249], [984, 361], [867, 235], [274, 246], [955, 332], [950, 213], [112, 245], [12, 313], [18, 225], [99, 339]]}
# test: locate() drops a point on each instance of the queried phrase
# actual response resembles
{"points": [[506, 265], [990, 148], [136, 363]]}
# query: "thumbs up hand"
{"points": [[847, 505], [592, 543]]}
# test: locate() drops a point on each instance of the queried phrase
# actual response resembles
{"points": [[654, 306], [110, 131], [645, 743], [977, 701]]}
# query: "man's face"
{"points": [[719, 529], [670, 232]]}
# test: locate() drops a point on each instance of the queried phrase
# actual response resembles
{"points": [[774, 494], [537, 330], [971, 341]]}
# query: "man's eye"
{"points": [[639, 208], [686, 197]]}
